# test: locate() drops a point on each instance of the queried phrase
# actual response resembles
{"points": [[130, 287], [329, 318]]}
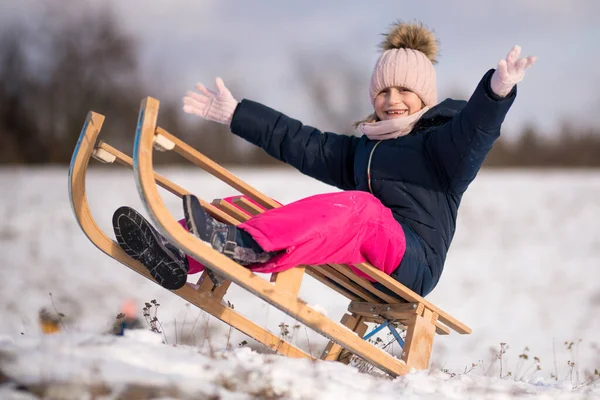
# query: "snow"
{"points": [[523, 270]]}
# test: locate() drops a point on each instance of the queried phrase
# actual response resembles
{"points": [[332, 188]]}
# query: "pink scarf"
{"points": [[391, 128]]}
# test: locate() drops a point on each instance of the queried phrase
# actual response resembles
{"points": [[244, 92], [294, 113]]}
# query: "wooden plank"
{"points": [[419, 341], [231, 210], [412, 297], [291, 305], [80, 205], [441, 329], [374, 312], [219, 292], [193, 155], [290, 280], [166, 184], [204, 284], [373, 319], [360, 329], [345, 282], [325, 281], [401, 311], [207, 286], [367, 285], [247, 205], [333, 350]]}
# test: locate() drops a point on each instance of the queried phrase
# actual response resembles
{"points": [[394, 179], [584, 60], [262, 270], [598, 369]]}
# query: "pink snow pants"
{"points": [[348, 227]]}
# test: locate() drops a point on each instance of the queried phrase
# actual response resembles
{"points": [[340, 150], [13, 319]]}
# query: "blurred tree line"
{"points": [[51, 77]]}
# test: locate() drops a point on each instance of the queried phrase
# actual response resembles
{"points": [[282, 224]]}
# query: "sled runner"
{"points": [[418, 317]]}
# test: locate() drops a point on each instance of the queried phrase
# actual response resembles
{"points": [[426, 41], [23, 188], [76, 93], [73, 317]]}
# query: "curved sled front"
{"points": [[286, 302], [85, 149]]}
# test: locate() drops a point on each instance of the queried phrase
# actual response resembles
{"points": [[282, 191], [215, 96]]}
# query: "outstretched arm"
{"points": [[460, 147], [325, 156]]}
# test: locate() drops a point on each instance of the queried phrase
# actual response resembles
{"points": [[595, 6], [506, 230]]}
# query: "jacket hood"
{"points": [[438, 115], [447, 108]]}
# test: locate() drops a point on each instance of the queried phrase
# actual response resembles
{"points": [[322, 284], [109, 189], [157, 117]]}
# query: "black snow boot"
{"points": [[137, 237], [235, 243]]}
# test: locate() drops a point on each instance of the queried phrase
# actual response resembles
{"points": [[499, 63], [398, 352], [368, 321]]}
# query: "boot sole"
{"points": [[147, 248]]}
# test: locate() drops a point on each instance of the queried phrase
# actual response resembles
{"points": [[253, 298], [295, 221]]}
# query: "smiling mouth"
{"points": [[396, 113]]}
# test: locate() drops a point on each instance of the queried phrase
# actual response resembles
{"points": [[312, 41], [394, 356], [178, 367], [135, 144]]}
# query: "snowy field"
{"points": [[524, 269]]}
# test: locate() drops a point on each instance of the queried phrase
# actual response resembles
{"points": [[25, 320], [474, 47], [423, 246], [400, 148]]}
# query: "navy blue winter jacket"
{"points": [[421, 177]]}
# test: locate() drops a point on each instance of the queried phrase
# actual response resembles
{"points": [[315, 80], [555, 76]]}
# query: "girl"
{"points": [[402, 181]]}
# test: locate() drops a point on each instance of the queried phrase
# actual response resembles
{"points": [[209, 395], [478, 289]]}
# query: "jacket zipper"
{"points": [[369, 166]]}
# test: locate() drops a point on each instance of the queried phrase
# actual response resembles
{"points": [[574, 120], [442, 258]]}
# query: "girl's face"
{"points": [[396, 102]]}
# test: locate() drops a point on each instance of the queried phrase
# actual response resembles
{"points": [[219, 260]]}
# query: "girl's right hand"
{"points": [[217, 107]]}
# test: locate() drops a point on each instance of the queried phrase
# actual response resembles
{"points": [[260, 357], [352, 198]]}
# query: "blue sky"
{"points": [[254, 45]]}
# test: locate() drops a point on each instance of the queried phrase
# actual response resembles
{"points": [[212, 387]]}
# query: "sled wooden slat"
{"points": [[412, 297], [215, 169], [166, 184], [289, 280], [341, 280], [401, 312], [205, 284], [77, 191], [377, 312], [347, 272], [230, 209], [220, 291], [327, 282], [248, 206], [291, 305], [440, 328], [333, 351], [360, 329], [379, 320]]}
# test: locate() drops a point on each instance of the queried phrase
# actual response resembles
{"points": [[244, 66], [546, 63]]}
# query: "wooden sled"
{"points": [[420, 318]]}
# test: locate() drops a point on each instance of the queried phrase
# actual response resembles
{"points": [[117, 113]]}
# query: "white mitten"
{"points": [[510, 72], [218, 107]]}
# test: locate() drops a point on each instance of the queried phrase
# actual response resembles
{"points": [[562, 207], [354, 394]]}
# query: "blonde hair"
{"points": [[369, 119]]}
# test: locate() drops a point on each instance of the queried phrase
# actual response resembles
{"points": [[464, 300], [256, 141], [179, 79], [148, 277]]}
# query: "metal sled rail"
{"points": [[205, 300]]}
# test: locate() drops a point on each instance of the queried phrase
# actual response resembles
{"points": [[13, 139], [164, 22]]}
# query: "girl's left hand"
{"points": [[510, 72]]}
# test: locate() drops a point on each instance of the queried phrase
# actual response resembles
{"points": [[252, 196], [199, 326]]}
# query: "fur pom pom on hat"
{"points": [[409, 52]]}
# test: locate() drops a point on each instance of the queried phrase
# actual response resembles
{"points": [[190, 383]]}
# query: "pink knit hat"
{"points": [[407, 61]]}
